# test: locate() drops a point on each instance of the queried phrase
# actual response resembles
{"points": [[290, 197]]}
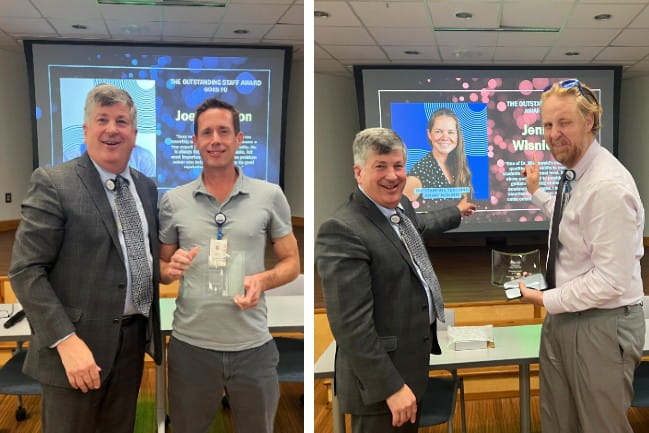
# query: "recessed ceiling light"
{"points": [[572, 53], [79, 26], [241, 32], [464, 15], [321, 14], [412, 52], [162, 3], [603, 17]]}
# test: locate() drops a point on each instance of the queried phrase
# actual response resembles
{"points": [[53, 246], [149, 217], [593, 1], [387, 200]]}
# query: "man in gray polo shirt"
{"points": [[213, 233]]}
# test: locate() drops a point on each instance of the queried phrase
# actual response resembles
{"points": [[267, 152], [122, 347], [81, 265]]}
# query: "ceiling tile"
{"points": [[641, 21], [585, 53], [485, 14], [195, 30], [586, 37], [120, 12], [323, 65], [356, 52], [254, 14], [210, 15], [19, 8], [538, 14], [402, 14], [640, 66], [276, 2], [294, 15], [403, 36], [63, 26], [286, 31], [340, 14], [257, 31], [509, 39], [632, 37], [426, 53], [26, 26], [583, 14], [67, 8], [467, 53], [342, 36], [320, 53], [466, 38], [187, 40], [529, 54], [134, 28], [623, 53]]}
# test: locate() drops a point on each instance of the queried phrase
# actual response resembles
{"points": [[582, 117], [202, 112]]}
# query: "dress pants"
{"points": [[198, 377], [109, 409], [382, 423], [587, 361]]}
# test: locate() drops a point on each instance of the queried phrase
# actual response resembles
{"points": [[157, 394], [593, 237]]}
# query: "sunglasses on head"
{"points": [[566, 84]]}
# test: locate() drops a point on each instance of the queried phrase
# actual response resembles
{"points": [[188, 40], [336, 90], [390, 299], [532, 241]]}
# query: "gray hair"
{"points": [[105, 95], [376, 140]]}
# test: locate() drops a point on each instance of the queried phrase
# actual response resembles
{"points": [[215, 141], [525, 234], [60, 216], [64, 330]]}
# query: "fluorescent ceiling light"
{"points": [[499, 29], [163, 3]]}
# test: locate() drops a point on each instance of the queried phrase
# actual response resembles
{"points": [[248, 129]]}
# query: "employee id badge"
{"points": [[217, 261]]}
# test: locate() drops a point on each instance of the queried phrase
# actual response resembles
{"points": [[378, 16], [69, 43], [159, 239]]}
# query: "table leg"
{"points": [[524, 391], [161, 391], [338, 416]]}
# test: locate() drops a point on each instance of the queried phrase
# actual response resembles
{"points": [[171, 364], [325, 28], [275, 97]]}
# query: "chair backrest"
{"points": [[645, 306], [295, 287], [450, 320]]}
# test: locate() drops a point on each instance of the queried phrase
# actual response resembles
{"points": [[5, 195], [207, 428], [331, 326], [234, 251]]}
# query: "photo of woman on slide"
{"points": [[445, 166]]}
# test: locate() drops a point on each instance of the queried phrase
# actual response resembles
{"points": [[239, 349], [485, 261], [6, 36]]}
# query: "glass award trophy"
{"points": [[507, 269]]}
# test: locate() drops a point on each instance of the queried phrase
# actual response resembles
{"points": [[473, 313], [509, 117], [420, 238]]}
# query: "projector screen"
{"points": [[498, 117], [167, 83]]}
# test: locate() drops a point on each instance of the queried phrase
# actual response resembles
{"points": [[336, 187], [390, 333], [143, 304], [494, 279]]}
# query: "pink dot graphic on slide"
{"points": [[540, 83], [501, 106], [526, 87], [473, 97], [501, 163], [465, 85], [522, 219], [492, 84], [493, 200], [461, 98], [415, 204]]}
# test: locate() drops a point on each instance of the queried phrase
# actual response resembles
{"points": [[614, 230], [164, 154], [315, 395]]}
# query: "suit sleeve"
{"points": [[432, 224], [38, 240], [344, 265]]}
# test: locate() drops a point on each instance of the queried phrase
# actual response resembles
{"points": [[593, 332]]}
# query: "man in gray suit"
{"points": [[380, 303], [92, 305]]}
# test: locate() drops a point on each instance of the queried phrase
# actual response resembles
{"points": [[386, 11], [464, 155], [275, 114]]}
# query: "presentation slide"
{"points": [[167, 83], [495, 128]]}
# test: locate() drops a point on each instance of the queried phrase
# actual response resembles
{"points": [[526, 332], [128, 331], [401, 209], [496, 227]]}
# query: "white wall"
{"points": [[633, 148], [294, 150], [16, 136], [15, 133], [335, 125]]}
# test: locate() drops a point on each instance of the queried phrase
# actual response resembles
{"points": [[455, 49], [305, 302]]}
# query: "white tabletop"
{"points": [[285, 313], [20, 331]]}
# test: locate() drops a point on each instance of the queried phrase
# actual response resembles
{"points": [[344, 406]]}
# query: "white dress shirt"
{"points": [[600, 237]]}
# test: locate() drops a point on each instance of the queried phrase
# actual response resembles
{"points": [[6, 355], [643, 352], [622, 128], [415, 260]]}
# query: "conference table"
{"points": [[285, 314], [514, 345]]}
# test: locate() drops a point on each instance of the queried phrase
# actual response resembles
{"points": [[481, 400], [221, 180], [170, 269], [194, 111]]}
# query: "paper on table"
{"points": [[470, 337]]}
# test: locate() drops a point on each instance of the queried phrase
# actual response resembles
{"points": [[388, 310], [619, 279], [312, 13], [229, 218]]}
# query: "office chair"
{"points": [[14, 382], [438, 403]]}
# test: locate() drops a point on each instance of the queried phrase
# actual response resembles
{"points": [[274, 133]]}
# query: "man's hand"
{"points": [[530, 296], [466, 208], [79, 364], [532, 175], [180, 261], [254, 285], [403, 406]]}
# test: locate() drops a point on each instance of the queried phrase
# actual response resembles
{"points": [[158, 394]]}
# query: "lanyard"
{"points": [[220, 219]]}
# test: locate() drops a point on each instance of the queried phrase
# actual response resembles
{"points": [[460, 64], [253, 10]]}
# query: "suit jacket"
{"points": [[67, 267], [376, 304]]}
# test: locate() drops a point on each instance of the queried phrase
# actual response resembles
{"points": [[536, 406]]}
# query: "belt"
{"points": [[132, 319]]}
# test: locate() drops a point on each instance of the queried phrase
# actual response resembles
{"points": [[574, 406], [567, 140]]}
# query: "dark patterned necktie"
{"points": [[129, 218], [415, 245], [560, 201]]}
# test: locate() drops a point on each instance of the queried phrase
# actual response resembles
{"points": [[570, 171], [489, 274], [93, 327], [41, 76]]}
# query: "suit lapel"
{"points": [[381, 222], [90, 179]]}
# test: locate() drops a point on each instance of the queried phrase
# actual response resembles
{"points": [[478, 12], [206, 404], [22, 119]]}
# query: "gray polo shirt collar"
{"points": [[241, 185]]}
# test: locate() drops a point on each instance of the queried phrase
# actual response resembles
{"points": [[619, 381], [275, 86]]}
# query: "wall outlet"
{"points": [[7, 197]]}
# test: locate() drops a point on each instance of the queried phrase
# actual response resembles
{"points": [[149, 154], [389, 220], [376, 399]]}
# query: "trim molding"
{"points": [[8, 225], [297, 221], [645, 242]]}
